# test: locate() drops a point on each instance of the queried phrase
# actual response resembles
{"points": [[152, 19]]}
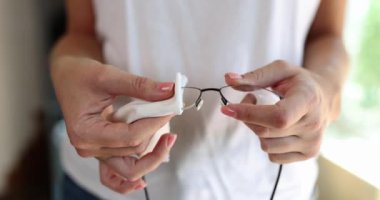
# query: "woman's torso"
{"points": [[215, 157]]}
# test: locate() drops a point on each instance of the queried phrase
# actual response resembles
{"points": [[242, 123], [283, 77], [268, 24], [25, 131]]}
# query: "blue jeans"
{"points": [[72, 191]]}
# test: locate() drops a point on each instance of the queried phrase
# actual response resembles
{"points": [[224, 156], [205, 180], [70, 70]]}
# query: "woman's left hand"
{"points": [[292, 129]]}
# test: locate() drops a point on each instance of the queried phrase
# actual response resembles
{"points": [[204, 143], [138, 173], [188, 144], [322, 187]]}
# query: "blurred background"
{"points": [[28, 110], [349, 161]]}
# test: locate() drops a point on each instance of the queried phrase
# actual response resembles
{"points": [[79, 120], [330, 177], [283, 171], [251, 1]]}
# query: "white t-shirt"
{"points": [[215, 157]]}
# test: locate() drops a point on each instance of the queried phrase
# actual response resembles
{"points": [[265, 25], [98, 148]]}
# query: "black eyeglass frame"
{"points": [[225, 102], [219, 90]]}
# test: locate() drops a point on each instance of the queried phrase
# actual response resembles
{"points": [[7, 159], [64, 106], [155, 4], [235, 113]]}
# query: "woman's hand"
{"points": [[292, 129], [124, 174], [85, 90]]}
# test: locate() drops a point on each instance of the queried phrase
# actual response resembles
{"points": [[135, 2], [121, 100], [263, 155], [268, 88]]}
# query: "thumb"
{"points": [[265, 76], [118, 82]]}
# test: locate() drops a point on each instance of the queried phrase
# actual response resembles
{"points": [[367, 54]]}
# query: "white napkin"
{"points": [[139, 109]]}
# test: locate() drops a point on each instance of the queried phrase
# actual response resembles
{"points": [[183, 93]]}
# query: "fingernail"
{"points": [[166, 87], [140, 186], [234, 76], [170, 141], [228, 111]]}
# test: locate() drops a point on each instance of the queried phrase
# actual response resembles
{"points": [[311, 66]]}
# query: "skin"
{"points": [[292, 129], [86, 88], [289, 131]]}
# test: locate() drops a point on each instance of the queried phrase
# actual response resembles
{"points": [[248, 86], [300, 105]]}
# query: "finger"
{"points": [[260, 131], [106, 152], [117, 183], [144, 129], [133, 169], [97, 133], [265, 132], [125, 151], [282, 145], [282, 115], [249, 99], [261, 115], [285, 158], [119, 82], [265, 76]]}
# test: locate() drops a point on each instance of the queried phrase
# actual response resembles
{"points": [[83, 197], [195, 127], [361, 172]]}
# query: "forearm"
{"points": [[80, 38], [326, 57]]}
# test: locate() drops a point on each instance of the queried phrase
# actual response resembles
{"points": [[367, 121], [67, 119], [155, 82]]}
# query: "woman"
{"points": [[118, 48]]}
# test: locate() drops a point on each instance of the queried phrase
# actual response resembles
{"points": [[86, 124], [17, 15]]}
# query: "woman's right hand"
{"points": [[85, 88], [124, 174]]}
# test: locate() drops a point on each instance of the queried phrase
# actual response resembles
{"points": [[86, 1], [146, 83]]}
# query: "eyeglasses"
{"points": [[229, 94], [192, 97]]}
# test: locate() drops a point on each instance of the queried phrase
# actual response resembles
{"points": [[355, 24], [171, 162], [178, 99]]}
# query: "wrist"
{"points": [[332, 92], [66, 63]]}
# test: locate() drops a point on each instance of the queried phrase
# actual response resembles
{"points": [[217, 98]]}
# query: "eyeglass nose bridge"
{"points": [[199, 102]]}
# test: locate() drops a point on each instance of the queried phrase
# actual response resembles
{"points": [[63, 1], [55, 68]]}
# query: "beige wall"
{"points": [[336, 182], [20, 82]]}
